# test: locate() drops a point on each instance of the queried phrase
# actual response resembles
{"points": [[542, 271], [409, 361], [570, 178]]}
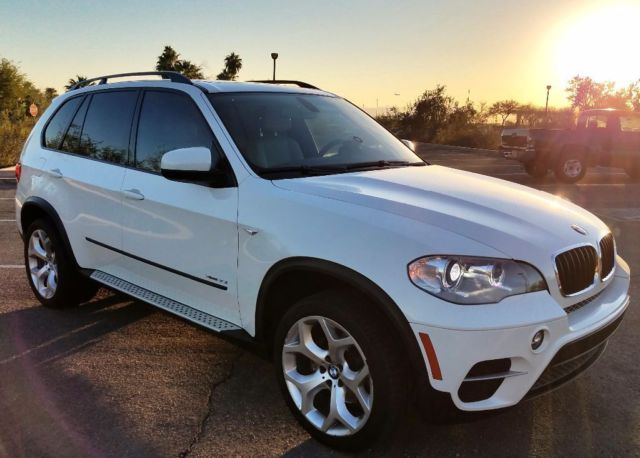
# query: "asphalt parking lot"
{"points": [[116, 377]]}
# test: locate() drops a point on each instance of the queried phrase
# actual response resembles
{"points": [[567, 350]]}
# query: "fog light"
{"points": [[537, 340]]}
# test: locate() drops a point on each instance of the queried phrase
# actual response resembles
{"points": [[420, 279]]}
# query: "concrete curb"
{"points": [[432, 146], [9, 169]]}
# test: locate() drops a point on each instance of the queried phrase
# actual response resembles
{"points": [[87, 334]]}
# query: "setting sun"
{"points": [[600, 44]]}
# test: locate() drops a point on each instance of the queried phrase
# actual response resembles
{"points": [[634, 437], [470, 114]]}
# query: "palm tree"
{"points": [[168, 59], [189, 69], [73, 81], [232, 66]]}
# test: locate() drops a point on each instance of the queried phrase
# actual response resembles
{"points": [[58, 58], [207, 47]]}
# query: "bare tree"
{"points": [[504, 109]]}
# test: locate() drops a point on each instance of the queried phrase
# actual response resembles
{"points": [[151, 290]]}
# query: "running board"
{"points": [[177, 308]]}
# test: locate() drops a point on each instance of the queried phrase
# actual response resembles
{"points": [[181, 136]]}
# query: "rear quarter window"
{"points": [[57, 126]]}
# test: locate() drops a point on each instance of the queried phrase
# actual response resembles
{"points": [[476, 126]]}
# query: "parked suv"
{"points": [[287, 217]]}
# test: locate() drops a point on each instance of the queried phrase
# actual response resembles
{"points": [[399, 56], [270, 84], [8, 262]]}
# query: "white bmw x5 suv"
{"points": [[287, 217]]}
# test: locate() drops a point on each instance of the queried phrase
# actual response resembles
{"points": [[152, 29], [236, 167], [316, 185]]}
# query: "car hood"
{"points": [[521, 222]]}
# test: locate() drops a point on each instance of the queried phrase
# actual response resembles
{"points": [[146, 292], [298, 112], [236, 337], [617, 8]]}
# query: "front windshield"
{"points": [[287, 134]]}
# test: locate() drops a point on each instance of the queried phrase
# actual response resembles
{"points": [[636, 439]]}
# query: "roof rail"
{"points": [[297, 83], [167, 75]]}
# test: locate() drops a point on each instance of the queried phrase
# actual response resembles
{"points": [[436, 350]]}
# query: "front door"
{"points": [[180, 240], [598, 137]]}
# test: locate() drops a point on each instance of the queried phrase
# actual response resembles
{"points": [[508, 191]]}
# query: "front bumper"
{"points": [[518, 154], [503, 360]]}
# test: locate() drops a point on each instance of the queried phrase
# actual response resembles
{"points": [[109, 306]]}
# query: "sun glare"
{"points": [[601, 44]]}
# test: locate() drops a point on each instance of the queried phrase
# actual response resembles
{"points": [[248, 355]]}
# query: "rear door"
{"points": [[88, 176], [180, 239]]}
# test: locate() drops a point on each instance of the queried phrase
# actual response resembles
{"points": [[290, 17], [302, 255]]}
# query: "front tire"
{"points": [[571, 167], [50, 271], [340, 370]]}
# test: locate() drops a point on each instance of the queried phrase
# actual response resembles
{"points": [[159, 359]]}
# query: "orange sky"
{"points": [[364, 50]]}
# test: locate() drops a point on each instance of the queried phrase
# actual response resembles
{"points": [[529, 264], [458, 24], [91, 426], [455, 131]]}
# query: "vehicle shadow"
{"points": [[47, 408], [565, 423]]}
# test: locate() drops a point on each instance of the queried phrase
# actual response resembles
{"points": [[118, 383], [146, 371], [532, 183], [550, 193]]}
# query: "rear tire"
{"points": [[349, 385], [50, 270], [571, 167]]}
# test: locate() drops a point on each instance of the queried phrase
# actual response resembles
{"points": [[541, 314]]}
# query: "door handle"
{"points": [[55, 173], [133, 194]]}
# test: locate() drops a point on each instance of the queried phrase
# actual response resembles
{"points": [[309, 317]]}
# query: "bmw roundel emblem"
{"points": [[578, 229]]}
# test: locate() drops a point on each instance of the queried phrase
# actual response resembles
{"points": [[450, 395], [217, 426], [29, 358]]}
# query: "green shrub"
{"points": [[12, 138]]}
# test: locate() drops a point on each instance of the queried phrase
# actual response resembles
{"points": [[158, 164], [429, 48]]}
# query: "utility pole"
{"points": [[274, 56]]}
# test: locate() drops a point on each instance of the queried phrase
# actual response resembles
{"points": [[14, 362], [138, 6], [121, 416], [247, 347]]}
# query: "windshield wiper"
{"points": [[329, 169], [302, 169], [383, 164]]}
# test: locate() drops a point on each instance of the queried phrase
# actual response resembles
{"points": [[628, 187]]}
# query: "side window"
{"points": [[57, 127], [71, 141], [597, 122], [168, 121], [107, 126], [630, 123]]}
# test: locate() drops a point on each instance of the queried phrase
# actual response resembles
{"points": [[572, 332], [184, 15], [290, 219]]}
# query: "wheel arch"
{"points": [[575, 147], [36, 207], [292, 279]]}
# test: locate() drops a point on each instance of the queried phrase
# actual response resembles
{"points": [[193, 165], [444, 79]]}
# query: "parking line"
{"points": [[7, 220], [7, 198], [11, 266]]}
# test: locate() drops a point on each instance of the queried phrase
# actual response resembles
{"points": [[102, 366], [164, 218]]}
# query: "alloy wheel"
{"points": [[572, 168], [43, 268], [327, 376]]}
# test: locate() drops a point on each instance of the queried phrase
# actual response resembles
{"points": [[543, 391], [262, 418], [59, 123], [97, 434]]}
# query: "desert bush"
{"points": [[436, 117], [472, 136], [12, 138], [17, 93]]}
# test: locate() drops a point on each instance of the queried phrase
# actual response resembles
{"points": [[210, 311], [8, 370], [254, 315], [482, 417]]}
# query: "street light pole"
{"points": [[274, 56], [546, 106]]}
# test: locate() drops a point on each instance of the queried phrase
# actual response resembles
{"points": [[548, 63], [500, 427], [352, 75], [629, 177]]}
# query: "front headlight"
{"points": [[469, 280]]}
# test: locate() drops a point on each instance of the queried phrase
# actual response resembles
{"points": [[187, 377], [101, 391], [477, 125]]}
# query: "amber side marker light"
{"points": [[18, 171], [431, 356]]}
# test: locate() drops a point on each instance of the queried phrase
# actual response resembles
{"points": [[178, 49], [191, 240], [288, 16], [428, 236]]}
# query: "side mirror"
{"points": [[409, 144], [197, 164]]}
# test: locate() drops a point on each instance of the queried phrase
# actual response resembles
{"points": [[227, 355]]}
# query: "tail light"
{"points": [[18, 171]]}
